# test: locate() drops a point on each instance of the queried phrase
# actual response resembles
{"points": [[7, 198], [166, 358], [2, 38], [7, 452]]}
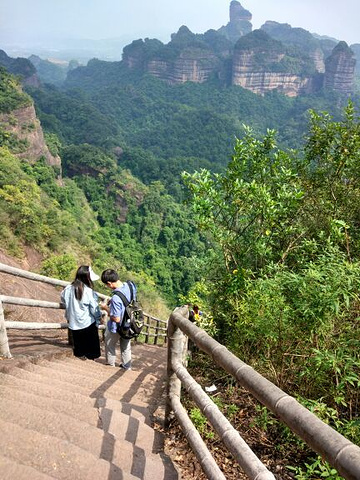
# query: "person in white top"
{"points": [[83, 313]]}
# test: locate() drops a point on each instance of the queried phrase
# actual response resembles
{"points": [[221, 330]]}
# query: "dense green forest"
{"points": [[83, 214], [181, 127], [284, 286], [245, 204]]}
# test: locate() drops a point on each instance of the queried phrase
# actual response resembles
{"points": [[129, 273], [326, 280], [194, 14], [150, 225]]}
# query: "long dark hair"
{"points": [[82, 278]]}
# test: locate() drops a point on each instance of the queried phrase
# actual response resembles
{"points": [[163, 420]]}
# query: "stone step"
{"points": [[93, 389], [9, 393], [10, 470], [130, 429], [129, 456], [137, 411], [54, 457], [93, 438], [129, 423], [144, 357], [65, 398], [133, 387], [101, 413], [146, 377], [45, 389]]}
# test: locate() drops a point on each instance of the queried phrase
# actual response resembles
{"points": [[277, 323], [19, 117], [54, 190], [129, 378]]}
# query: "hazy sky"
{"points": [[25, 20]]}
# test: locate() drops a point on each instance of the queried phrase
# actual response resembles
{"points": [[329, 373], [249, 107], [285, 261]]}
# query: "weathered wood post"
{"points": [[4, 344], [177, 340], [147, 329], [156, 331]]}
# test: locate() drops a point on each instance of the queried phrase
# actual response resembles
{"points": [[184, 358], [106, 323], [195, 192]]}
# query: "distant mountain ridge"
{"points": [[277, 57], [20, 66]]}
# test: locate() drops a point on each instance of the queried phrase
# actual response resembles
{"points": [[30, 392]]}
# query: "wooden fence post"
{"points": [[156, 332], [4, 344], [147, 329], [177, 342]]}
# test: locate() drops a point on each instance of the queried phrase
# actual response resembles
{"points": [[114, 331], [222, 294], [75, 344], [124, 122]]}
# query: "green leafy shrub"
{"points": [[62, 267], [11, 95]]}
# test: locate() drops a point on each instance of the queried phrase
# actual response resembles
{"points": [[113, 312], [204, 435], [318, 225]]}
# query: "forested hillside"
{"points": [[176, 128], [284, 291], [247, 204], [96, 212]]}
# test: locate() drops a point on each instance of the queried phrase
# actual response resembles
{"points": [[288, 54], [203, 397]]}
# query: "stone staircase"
{"points": [[65, 418]]}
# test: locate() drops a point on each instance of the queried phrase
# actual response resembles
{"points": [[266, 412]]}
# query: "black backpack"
{"points": [[133, 320]]}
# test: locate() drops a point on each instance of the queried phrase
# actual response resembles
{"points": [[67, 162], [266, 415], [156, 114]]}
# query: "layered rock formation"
{"points": [[276, 57], [261, 64], [287, 84], [192, 65], [340, 68], [24, 124], [356, 49], [187, 58], [317, 57]]}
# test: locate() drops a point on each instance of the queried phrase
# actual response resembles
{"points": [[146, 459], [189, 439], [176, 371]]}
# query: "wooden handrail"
{"points": [[37, 277], [60, 283], [29, 302], [331, 445]]}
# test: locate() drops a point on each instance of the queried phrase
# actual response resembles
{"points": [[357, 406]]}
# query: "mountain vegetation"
{"points": [[80, 217], [284, 286], [50, 71], [207, 192]]}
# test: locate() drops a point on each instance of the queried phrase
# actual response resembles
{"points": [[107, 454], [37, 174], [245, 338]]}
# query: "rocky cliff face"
{"points": [[261, 64], [355, 47], [24, 124], [262, 82], [192, 65], [340, 69], [275, 57], [317, 57], [187, 58]]}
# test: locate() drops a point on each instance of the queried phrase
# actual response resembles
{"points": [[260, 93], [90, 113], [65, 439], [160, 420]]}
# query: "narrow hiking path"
{"points": [[66, 418]]}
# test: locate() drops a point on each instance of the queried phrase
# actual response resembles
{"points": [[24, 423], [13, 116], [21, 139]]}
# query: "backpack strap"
{"points": [[131, 285], [125, 303], [122, 296]]}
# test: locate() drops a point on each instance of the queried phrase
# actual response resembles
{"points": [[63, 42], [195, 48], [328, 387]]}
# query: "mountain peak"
{"points": [[238, 13]]}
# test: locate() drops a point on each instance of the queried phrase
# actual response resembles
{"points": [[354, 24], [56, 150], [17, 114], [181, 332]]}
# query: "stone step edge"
{"points": [[104, 415], [6, 364], [56, 442], [156, 458], [20, 471]]}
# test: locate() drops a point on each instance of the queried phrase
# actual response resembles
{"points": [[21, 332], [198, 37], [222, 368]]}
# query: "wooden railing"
{"points": [[343, 455], [154, 330], [333, 447]]}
